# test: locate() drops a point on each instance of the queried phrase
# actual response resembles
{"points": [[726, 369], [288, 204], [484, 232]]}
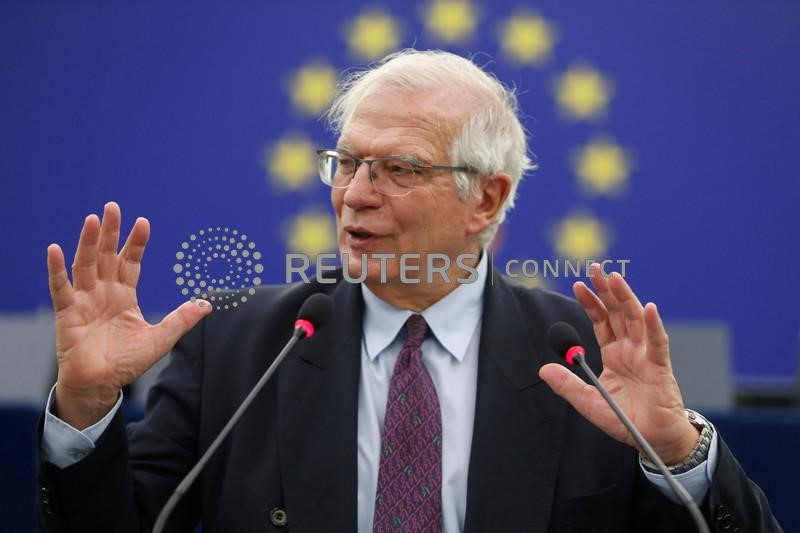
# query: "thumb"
{"points": [[569, 386], [178, 323]]}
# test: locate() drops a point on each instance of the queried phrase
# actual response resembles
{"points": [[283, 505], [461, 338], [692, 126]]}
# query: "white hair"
{"points": [[492, 139]]}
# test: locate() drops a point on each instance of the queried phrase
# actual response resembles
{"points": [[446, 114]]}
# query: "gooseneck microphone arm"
{"points": [[676, 487], [565, 340], [313, 314]]}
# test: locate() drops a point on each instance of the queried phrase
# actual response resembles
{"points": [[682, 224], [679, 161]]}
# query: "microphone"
{"points": [[315, 311], [566, 341], [313, 314]]}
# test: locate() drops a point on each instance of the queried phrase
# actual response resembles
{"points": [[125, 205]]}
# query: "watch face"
{"points": [[696, 419]]}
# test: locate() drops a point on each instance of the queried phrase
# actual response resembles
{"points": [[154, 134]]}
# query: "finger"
{"points": [[615, 315], [109, 241], [657, 338], [60, 288], [570, 387], [131, 254], [596, 311], [178, 323], [84, 268], [631, 307]]}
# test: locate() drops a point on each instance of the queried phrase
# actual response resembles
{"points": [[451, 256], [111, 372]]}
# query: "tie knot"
{"points": [[416, 330]]}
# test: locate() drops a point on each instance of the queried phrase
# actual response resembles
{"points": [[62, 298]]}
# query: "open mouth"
{"points": [[360, 234]]}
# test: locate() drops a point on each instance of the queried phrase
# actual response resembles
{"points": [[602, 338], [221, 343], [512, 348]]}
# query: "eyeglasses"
{"points": [[391, 176]]}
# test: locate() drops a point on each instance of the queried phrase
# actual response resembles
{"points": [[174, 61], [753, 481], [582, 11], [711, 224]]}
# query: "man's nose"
{"points": [[361, 192]]}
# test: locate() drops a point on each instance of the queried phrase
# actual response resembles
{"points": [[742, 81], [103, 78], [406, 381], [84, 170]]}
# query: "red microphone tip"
{"points": [[574, 352], [306, 326]]}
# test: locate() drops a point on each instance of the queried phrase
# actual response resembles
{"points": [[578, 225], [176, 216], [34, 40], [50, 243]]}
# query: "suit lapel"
{"points": [[518, 424], [318, 403]]}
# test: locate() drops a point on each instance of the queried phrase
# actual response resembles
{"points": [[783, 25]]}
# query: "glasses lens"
{"points": [[394, 177], [335, 169]]}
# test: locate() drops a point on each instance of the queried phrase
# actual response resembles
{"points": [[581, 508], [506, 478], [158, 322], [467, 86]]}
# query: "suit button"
{"points": [[726, 522], [278, 517], [45, 500]]}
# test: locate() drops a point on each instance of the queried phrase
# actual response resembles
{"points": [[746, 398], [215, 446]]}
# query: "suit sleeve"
{"points": [[123, 484], [734, 502]]}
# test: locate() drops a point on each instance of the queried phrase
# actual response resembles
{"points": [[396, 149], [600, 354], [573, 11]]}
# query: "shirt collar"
{"points": [[451, 320]]}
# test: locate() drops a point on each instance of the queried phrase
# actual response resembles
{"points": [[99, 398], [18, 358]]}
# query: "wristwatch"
{"points": [[698, 454]]}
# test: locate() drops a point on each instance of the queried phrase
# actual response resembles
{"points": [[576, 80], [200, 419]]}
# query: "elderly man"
{"points": [[426, 406]]}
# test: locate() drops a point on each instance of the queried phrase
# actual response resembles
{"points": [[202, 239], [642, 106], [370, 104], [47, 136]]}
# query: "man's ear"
{"points": [[490, 197]]}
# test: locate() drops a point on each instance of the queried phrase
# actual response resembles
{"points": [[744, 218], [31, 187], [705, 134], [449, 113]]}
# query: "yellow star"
{"points": [[581, 236], [450, 21], [583, 93], [311, 233], [312, 87], [372, 34], [527, 38], [291, 162], [602, 166]]}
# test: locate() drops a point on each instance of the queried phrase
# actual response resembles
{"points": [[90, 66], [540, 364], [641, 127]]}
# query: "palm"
{"points": [[637, 387], [103, 337], [102, 340]]}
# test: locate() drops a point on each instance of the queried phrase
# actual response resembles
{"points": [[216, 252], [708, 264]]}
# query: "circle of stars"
{"points": [[526, 39]]}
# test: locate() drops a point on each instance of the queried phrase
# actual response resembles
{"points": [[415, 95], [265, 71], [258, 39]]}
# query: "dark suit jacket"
{"points": [[536, 465]]}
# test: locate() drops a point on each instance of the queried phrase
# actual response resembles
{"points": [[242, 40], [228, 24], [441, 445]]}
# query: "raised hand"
{"points": [[102, 340], [636, 370]]}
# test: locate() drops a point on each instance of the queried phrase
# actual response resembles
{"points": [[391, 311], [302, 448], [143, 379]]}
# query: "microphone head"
{"points": [[563, 338], [313, 314]]}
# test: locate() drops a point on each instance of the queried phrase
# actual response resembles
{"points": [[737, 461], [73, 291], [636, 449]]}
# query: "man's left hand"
{"points": [[636, 370]]}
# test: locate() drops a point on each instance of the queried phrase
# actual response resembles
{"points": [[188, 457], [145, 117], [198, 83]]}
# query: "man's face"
{"points": [[431, 218]]}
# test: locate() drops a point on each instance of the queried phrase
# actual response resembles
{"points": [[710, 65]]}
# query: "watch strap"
{"points": [[699, 453]]}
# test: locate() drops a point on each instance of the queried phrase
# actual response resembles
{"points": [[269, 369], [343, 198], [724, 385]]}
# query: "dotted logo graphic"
{"points": [[218, 265]]}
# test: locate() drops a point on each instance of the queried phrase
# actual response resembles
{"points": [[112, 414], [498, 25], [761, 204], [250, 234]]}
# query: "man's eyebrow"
{"points": [[412, 156], [407, 156]]}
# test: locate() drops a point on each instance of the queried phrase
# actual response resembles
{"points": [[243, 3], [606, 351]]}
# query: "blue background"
{"points": [[167, 107]]}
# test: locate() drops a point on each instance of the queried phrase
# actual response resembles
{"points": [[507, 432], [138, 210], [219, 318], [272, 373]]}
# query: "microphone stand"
{"points": [[187, 481], [676, 487]]}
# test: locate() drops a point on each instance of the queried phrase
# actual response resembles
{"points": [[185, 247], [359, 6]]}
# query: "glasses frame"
{"points": [[416, 167]]}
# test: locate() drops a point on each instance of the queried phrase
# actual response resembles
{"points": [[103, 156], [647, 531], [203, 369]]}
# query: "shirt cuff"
{"points": [[64, 445], [696, 481]]}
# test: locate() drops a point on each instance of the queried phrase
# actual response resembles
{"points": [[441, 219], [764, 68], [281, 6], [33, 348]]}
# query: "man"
{"points": [[423, 406]]}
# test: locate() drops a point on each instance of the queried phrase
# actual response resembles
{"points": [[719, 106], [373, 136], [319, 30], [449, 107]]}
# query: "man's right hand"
{"points": [[102, 339]]}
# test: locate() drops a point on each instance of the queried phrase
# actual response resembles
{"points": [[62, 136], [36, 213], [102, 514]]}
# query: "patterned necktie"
{"points": [[409, 495]]}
